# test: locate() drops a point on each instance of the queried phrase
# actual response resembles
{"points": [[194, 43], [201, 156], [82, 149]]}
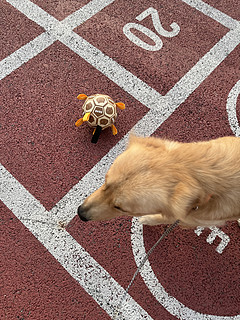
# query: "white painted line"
{"points": [[130, 83], [35, 13], [204, 67], [232, 108], [18, 199], [86, 12], [95, 280], [213, 13], [53, 27], [111, 69], [24, 54], [140, 90], [51, 24], [171, 304], [62, 31]]}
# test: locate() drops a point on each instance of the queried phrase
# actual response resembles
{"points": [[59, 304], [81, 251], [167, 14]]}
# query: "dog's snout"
{"points": [[81, 213]]}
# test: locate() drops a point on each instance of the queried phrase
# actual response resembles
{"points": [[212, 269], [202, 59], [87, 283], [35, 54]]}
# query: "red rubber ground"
{"points": [[43, 150]]}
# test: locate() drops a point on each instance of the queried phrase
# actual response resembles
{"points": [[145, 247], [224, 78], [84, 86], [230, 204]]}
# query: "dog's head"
{"points": [[148, 178], [133, 185]]}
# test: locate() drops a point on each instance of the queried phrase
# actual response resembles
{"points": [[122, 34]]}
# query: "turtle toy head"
{"points": [[100, 112]]}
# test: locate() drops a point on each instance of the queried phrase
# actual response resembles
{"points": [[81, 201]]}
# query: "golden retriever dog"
{"points": [[162, 181]]}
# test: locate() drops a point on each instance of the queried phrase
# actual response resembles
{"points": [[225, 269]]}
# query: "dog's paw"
{"points": [[147, 220], [239, 222]]}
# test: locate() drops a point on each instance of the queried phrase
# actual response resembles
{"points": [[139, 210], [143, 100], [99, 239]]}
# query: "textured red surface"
{"points": [[33, 284], [15, 29], [38, 131], [230, 7], [60, 9], [160, 69], [194, 273], [111, 241], [48, 155], [189, 269], [203, 115]]}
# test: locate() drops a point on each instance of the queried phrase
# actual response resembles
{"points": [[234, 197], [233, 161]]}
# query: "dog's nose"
{"points": [[81, 214]]}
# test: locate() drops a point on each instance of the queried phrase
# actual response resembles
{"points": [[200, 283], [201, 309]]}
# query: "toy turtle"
{"points": [[100, 112]]}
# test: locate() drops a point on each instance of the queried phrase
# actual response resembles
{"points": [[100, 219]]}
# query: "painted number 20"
{"points": [[149, 33]]}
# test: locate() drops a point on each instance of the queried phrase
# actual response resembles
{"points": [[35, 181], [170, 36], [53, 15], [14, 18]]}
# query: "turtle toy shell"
{"points": [[103, 111], [100, 112]]}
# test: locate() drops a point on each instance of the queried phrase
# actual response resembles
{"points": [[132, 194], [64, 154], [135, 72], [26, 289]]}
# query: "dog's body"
{"points": [[163, 181]]}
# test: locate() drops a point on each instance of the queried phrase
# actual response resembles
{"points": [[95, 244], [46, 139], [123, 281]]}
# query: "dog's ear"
{"points": [[133, 139], [185, 198], [149, 142]]}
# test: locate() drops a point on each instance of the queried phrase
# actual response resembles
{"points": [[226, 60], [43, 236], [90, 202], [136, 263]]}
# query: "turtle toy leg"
{"points": [[96, 134], [79, 122], [120, 105], [82, 96], [114, 129]]}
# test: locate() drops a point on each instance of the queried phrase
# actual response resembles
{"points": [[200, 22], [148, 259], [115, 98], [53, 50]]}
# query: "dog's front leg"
{"points": [[155, 219]]}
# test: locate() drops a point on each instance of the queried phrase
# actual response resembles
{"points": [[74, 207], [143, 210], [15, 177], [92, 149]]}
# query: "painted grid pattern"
{"points": [[45, 225]]}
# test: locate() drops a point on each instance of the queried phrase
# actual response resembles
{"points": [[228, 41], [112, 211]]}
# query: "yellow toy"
{"points": [[100, 112]]}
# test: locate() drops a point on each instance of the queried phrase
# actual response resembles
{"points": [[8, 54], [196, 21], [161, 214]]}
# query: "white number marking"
{"points": [[231, 109], [149, 33], [157, 23], [212, 236], [155, 38]]}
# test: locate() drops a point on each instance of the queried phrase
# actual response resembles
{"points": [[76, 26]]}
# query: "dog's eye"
{"points": [[119, 208]]}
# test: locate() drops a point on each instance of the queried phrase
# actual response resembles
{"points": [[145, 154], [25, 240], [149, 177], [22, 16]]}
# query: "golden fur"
{"points": [[162, 181]]}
